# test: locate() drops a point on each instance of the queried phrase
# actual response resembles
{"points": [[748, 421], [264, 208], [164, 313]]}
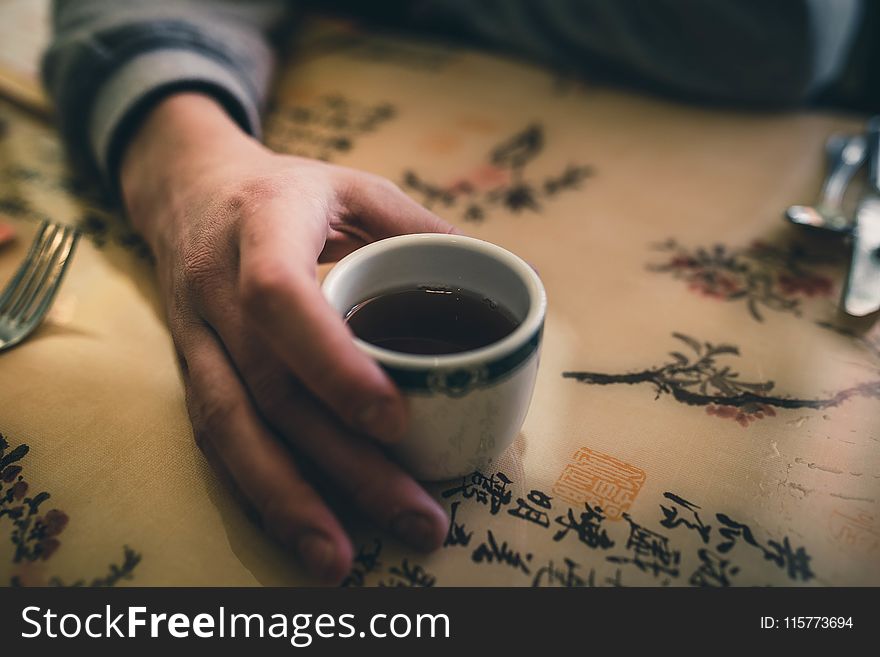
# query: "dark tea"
{"points": [[430, 321]]}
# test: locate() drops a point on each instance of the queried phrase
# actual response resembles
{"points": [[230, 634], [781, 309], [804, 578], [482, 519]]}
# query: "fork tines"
{"points": [[27, 297]]}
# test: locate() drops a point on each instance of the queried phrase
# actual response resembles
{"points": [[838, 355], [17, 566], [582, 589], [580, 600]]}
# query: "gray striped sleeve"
{"points": [[110, 59]]}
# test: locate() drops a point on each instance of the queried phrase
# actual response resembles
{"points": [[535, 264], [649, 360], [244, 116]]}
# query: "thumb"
{"points": [[381, 209]]}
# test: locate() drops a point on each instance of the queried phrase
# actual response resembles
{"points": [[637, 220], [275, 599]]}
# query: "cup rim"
{"points": [[525, 331]]}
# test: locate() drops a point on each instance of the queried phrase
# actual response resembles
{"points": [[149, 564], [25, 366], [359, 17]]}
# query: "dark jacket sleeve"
{"points": [[762, 52]]}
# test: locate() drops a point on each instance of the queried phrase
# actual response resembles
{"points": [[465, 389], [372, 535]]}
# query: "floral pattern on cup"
{"points": [[458, 382]]}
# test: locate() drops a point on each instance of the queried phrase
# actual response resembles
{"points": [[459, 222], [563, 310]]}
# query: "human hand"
{"points": [[267, 365]]}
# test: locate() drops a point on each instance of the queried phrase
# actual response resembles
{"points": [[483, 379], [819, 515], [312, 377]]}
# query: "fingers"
{"points": [[381, 209], [378, 486], [279, 291], [228, 429], [340, 243], [359, 468]]}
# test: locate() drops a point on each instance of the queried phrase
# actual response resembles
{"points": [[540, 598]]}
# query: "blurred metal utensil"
{"points": [[846, 154], [862, 294], [27, 297]]}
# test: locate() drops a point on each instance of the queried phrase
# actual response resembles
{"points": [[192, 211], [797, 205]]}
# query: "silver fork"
{"points": [[27, 297]]}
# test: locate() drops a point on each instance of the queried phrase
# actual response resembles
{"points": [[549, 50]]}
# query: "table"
{"points": [[703, 414]]}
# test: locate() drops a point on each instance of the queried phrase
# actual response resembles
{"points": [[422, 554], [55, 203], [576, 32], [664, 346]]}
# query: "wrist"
{"points": [[185, 136]]}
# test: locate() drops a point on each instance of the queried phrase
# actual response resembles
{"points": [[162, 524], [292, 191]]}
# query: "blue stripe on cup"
{"points": [[458, 382]]}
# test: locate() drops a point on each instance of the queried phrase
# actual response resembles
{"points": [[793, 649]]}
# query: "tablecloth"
{"points": [[703, 415]]}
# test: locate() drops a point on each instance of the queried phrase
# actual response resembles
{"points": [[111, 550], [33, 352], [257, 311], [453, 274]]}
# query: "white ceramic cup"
{"points": [[465, 408]]}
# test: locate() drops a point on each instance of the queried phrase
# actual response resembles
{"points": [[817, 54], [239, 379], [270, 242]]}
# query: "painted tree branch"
{"points": [[699, 380], [501, 181], [868, 389]]}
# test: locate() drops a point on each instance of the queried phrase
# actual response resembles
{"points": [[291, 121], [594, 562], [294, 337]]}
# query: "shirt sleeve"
{"points": [[110, 60]]}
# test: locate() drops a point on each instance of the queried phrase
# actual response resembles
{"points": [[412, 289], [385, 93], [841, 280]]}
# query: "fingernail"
{"points": [[416, 529], [378, 420], [318, 554]]}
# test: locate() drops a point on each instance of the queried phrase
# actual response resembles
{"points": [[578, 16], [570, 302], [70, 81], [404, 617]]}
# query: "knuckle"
{"points": [[216, 414], [270, 395], [211, 419], [278, 516], [383, 184], [197, 271], [265, 283], [339, 391], [247, 196], [372, 490], [353, 186]]}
